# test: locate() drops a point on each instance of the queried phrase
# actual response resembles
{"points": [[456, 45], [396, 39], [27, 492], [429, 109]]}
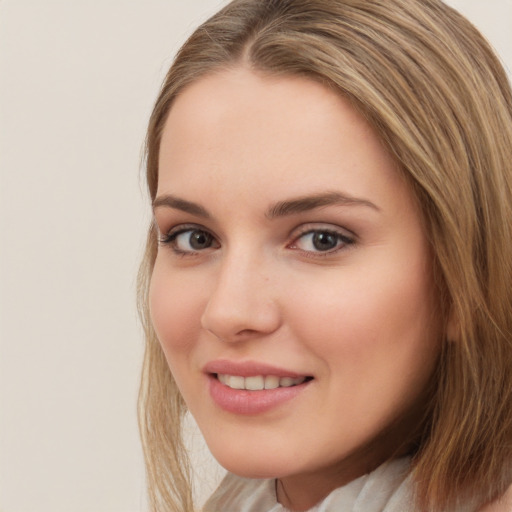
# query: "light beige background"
{"points": [[77, 82]]}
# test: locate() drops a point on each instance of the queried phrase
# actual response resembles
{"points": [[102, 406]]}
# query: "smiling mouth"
{"points": [[259, 382]]}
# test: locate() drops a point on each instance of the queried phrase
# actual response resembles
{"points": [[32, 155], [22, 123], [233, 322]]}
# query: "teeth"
{"points": [[235, 382], [255, 383], [286, 382], [259, 382], [271, 382]]}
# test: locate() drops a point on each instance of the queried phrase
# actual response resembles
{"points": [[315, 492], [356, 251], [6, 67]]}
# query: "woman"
{"points": [[326, 284]]}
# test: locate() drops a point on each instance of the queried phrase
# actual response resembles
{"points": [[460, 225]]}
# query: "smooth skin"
{"points": [[338, 288]]}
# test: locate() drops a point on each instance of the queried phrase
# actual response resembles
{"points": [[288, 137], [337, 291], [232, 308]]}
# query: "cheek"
{"points": [[175, 310], [370, 317]]}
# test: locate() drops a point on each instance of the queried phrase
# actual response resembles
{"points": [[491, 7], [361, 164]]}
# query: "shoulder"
{"points": [[502, 504]]}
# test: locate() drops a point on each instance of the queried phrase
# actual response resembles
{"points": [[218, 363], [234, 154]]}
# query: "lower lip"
{"points": [[241, 401]]}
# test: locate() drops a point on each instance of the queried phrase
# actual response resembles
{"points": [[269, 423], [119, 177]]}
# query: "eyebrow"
{"points": [[279, 209], [306, 203], [177, 203]]}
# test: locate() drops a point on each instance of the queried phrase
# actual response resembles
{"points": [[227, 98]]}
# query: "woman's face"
{"points": [[292, 254]]}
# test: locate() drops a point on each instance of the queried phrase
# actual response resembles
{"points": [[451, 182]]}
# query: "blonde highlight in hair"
{"points": [[438, 97]]}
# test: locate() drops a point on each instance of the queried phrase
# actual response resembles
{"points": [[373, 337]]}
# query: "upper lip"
{"points": [[247, 369]]}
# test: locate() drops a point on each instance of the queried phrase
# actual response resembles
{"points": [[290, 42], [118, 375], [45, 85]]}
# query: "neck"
{"points": [[301, 492]]}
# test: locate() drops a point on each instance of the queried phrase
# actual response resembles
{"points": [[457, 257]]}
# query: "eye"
{"points": [[321, 240], [189, 240]]}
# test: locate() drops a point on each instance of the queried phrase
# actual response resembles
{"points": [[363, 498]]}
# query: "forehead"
{"points": [[237, 135]]}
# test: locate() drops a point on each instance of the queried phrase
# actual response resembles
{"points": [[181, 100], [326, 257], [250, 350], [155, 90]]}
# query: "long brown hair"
{"points": [[438, 97]]}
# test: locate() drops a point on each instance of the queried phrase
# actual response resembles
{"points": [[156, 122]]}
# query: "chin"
{"points": [[254, 463]]}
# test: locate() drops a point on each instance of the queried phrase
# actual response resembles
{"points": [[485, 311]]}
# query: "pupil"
{"points": [[324, 241], [200, 240]]}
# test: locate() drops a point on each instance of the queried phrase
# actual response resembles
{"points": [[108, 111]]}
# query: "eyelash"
{"points": [[343, 241], [169, 239]]}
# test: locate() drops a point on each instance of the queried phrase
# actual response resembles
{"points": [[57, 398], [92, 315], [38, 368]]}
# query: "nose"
{"points": [[243, 303]]}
